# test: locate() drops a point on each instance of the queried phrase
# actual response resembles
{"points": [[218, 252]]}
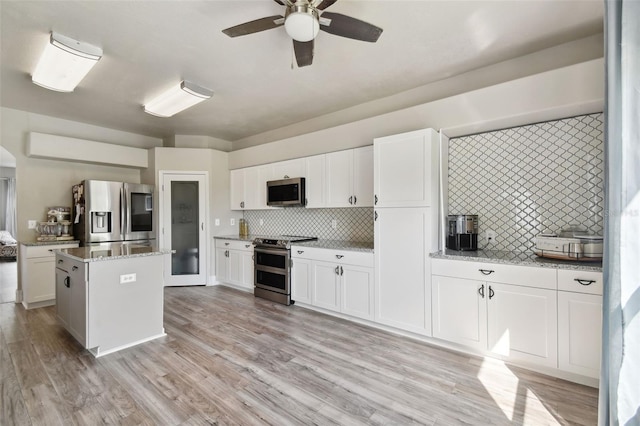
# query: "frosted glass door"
{"points": [[184, 229]]}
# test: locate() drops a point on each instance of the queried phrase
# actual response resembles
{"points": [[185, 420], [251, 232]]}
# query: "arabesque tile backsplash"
{"points": [[352, 224], [530, 179]]}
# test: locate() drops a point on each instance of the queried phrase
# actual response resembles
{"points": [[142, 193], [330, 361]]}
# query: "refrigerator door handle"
{"points": [[123, 212]]}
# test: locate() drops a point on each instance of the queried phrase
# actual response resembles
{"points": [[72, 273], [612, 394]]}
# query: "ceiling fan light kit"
{"points": [[176, 99], [64, 63], [303, 19], [302, 22]]}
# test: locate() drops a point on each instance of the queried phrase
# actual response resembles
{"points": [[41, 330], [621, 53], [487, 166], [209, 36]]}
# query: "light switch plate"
{"points": [[31, 224], [217, 222], [232, 221]]}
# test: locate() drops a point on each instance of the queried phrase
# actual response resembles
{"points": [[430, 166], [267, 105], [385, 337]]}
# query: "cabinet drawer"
{"points": [[528, 276], [46, 250], [345, 257], [234, 245], [590, 281]]}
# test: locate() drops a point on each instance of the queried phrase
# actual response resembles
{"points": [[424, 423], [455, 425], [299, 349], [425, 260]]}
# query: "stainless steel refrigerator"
{"points": [[109, 212]]}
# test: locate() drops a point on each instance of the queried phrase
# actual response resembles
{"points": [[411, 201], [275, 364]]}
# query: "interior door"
{"points": [[183, 227]]}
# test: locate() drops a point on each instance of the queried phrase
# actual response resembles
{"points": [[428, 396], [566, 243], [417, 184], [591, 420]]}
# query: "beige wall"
{"points": [[564, 92], [40, 182], [199, 159]]}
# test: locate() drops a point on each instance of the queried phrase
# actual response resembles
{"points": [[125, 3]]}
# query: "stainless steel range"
{"points": [[273, 267]]}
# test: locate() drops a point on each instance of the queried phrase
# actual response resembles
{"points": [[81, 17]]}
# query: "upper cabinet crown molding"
{"points": [[42, 145]]}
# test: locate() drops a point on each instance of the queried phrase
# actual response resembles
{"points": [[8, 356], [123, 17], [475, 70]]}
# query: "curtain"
{"points": [[10, 215], [620, 374]]}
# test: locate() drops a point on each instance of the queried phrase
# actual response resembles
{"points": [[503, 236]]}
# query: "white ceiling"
{"points": [[151, 45]]}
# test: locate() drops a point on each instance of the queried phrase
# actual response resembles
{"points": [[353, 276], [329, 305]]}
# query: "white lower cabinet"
{"points": [[335, 280], [234, 263], [580, 322], [71, 297], [518, 322]]}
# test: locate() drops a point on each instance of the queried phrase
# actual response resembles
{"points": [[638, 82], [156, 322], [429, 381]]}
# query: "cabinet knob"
{"points": [[584, 282]]}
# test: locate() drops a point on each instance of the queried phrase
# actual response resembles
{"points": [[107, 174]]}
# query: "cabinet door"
{"points": [[363, 177], [357, 291], [234, 273], [78, 303], [301, 280], [255, 187], [579, 333], [41, 285], [222, 267], [459, 311], [403, 286], [325, 285], [339, 178], [63, 297], [247, 270], [315, 182], [237, 189], [288, 169], [522, 323], [404, 174]]}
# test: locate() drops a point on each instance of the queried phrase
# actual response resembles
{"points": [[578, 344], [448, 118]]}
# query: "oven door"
{"points": [[272, 270]]}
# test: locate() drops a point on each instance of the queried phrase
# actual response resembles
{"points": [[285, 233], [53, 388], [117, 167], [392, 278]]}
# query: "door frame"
{"points": [[162, 215]]}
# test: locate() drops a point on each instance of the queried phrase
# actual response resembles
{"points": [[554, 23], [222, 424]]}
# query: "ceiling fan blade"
{"points": [[304, 52], [324, 4], [346, 26], [256, 26]]}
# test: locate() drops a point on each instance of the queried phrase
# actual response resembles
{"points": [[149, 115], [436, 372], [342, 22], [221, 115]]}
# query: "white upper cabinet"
{"points": [[314, 181], [406, 172], [237, 189], [349, 178], [249, 188], [288, 169]]}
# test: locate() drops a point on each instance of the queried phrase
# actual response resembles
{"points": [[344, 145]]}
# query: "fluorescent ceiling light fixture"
{"points": [[177, 99], [302, 23], [64, 63]]}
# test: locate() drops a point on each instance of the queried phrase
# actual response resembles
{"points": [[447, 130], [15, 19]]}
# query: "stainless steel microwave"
{"points": [[286, 192]]}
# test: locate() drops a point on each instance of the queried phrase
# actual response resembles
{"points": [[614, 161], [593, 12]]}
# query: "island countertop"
{"points": [[112, 251]]}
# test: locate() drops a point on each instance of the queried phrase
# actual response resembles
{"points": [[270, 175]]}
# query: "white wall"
{"points": [[572, 90], [40, 182]]}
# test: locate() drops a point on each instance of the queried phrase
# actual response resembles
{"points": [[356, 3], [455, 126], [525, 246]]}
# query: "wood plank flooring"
{"points": [[230, 358]]}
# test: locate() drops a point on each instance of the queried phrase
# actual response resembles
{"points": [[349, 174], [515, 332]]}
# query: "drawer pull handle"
{"points": [[60, 261], [75, 268], [50, 250], [247, 245], [481, 291], [339, 256], [226, 244], [584, 282], [486, 271], [300, 251]]}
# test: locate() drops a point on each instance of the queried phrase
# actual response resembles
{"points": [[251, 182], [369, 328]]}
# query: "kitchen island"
{"points": [[110, 297]]}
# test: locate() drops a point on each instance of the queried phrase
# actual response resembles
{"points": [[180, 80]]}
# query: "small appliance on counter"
{"points": [[572, 243], [462, 232], [57, 227], [243, 228]]}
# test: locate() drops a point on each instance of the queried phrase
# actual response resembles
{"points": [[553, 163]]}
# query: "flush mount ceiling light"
{"points": [[302, 22], [64, 63], [177, 99]]}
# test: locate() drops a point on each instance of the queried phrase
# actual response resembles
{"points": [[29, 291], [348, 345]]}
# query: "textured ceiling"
{"points": [[150, 45]]}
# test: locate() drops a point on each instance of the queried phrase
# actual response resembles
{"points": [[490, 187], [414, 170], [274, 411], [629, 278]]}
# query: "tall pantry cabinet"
{"points": [[406, 173]]}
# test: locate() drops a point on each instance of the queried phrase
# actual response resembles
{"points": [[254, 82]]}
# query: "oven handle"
{"points": [[281, 252]]}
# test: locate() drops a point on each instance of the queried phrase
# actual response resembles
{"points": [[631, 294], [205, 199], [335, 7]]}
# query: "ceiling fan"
{"points": [[302, 21]]}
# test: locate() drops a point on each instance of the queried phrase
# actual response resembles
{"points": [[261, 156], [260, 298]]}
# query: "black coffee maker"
{"points": [[463, 232]]}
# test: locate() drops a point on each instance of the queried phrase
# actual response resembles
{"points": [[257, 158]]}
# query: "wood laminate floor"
{"points": [[230, 358]]}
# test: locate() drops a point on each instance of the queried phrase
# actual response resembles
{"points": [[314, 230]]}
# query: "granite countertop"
{"points": [[111, 252], [517, 258], [48, 243], [366, 246]]}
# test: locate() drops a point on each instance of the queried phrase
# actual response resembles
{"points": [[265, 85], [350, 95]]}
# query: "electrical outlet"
{"points": [[31, 224], [217, 222], [261, 222], [334, 224], [490, 236], [232, 222], [127, 278]]}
